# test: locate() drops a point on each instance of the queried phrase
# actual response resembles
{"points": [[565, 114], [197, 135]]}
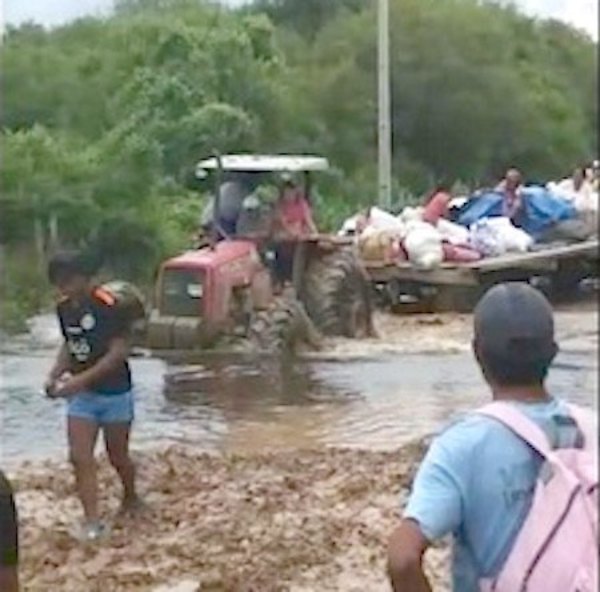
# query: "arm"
{"points": [[62, 363], [310, 222], [117, 353], [9, 536], [405, 558], [434, 510]]}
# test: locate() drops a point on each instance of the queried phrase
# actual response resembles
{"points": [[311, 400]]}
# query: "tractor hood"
{"points": [[212, 258]]}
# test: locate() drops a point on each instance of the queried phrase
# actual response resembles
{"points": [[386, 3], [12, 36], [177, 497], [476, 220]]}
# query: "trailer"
{"points": [[457, 286]]}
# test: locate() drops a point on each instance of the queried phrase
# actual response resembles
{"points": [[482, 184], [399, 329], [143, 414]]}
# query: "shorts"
{"points": [[102, 409]]}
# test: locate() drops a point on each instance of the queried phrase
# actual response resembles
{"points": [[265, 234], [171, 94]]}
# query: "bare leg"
{"points": [[116, 439], [82, 434]]}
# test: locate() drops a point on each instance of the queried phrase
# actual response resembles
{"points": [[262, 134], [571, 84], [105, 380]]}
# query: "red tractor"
{"points": [[226, 289]]}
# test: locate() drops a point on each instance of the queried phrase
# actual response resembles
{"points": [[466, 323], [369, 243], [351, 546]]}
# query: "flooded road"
{"points": [[319, 452], [377, 394]]}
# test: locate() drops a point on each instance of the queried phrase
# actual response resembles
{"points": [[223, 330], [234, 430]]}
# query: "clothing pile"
{"points": [[467, 230]]}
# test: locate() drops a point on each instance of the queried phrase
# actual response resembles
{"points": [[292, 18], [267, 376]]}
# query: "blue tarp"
{"points": [[542, 210], [483, 205]]}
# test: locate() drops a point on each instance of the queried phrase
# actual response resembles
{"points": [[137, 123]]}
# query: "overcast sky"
{"points": [[581, 13]]}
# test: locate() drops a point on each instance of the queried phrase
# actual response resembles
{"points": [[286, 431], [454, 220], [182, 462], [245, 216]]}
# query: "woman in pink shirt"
{"points": [[293, 220], [293, 214]]}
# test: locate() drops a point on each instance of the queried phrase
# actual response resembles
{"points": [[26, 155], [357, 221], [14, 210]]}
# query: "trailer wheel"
{"points": [[461, 299], [566, 280], [337, 295]]}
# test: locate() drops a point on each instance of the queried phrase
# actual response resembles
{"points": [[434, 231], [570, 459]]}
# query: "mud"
{"points": [[290, 521]]}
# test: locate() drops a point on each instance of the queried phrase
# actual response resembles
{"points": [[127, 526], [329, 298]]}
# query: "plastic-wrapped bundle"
{"points": [[496, 236], [423, 245], [453, 233]]}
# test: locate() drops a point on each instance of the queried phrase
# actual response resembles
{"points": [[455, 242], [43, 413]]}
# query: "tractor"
{"points": [[226, 288]]}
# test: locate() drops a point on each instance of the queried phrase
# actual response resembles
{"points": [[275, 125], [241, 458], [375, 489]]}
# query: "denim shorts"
{"points": [[102, 409]]}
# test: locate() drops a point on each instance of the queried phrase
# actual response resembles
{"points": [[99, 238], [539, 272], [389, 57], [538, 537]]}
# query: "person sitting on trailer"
{"points": [[511, 187], [437, 204], [578, 190]]}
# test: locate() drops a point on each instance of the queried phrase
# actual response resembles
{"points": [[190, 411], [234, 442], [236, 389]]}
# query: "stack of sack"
{"points": [[385, 238], [426, 238]]}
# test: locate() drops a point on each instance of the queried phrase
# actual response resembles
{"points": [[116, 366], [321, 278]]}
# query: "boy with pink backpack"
{"points": [[515, 482]]}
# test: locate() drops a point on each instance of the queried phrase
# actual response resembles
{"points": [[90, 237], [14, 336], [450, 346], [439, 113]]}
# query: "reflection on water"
{"points": [[241, 403]]}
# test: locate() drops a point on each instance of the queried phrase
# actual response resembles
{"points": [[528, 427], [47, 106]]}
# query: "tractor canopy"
{"points": [[260, 163]]}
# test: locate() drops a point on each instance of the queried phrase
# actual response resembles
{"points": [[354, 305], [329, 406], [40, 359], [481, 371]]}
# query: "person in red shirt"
{"points": [[293, 220], [293, 214]]}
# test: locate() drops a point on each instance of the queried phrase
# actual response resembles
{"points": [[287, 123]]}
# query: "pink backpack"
{"points": [[557, 547]]}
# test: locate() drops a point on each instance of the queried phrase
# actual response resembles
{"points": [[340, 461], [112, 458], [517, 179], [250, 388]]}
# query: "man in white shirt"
{"points": [[577, 190]]}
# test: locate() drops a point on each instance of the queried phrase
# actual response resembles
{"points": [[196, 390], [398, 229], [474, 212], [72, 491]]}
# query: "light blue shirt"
{"points": [[476, 483]]}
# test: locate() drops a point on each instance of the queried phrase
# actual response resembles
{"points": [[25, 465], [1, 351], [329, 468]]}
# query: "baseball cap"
{"points": [[514, 318]]}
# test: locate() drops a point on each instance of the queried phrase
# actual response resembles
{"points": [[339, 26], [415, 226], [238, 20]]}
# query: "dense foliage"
{"points": [[103, 120]]}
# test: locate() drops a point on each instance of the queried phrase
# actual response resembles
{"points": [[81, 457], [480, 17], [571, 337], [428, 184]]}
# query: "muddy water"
{"points": [[376, 394]]}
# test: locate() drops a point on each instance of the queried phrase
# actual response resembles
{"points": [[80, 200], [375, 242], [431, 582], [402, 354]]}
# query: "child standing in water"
{"points": [[92, 372]]}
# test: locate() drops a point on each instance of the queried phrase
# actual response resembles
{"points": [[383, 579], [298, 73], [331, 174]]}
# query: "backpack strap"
{"points": [[588, 428], [519, 424]]}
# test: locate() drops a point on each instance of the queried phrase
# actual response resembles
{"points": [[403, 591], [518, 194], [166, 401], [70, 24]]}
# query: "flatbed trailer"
{"points": [[457, 285]]}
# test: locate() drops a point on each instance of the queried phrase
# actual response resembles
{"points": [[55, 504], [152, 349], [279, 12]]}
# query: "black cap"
{"points": [[514, 317]]}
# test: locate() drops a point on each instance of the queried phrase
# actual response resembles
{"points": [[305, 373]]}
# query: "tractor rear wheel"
{"points": [[337, 295]]}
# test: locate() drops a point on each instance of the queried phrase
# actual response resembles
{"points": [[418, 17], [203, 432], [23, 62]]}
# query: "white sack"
{"points": [[453, 233], [423, 244], [496, 236]]}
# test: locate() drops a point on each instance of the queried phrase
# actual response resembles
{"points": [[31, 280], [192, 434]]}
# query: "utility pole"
{"points": [[384, 96]]}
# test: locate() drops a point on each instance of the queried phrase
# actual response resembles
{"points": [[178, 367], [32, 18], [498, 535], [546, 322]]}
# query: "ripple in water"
{"points": [[243, 404]]}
